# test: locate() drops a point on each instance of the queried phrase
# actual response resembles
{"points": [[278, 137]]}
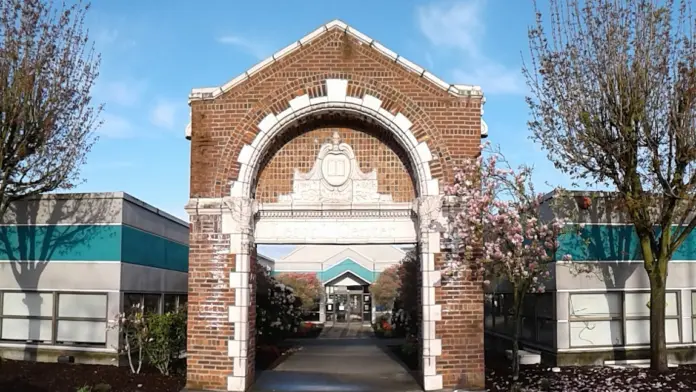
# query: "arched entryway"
{"points": [[334, 77]]}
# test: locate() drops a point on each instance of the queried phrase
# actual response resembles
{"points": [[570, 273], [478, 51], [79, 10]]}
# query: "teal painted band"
{"points": [[613, 243], [60, 243], [143, 248], [85, 243]]}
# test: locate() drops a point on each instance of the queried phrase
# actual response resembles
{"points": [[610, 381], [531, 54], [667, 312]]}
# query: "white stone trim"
{"points": [[459, 90], [272, 124], [335, 231], [432, 383]]}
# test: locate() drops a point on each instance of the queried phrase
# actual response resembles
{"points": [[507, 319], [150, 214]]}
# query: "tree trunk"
{"points": [[658, 346], [517, 309]]}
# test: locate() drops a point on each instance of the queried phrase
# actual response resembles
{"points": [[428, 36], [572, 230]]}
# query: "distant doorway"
{"points": [[348, 304]]}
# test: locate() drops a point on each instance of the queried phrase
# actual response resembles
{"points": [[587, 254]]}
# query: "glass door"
{"points": [[341, 307], [355, 307]]}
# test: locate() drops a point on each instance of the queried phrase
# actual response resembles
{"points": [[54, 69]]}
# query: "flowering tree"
{"points": [[613, 99], [306, 287], [497, 234], [385, 288]]}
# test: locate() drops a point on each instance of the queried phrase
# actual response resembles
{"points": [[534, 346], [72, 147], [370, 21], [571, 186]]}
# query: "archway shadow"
{"points": [[39, 230]]}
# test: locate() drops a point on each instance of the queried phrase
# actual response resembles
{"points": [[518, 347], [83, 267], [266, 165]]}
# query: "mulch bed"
{"points": [[592, 379], [540, 378], [20, 376]]}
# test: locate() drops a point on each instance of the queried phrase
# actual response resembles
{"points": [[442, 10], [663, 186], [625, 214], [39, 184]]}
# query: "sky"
{"points": [[154, 52]]}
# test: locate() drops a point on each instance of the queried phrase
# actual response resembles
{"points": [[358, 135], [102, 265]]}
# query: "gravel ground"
{"points": [[594, 379]]}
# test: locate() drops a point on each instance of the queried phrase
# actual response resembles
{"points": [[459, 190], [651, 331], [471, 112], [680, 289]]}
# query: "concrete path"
{"points": [[344, 358]]}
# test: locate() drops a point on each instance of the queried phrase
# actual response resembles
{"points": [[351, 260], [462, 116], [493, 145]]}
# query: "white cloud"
{"points": [[493, 78], [115, 127], [106, 36], [163, 115], [122, 92], [458, 26], [258, 49], [453, 24]]}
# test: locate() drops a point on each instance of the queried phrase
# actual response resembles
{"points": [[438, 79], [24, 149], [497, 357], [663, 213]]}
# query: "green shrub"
{"points": [[278, 310], [166, 339]]}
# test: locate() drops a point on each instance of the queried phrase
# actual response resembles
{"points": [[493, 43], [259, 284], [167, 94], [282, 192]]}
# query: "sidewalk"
{"points": [[343, 360]]}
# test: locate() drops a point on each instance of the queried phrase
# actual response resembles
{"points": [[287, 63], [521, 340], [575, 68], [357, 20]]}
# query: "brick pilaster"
{"points": [[209, 329], [461, 332]]}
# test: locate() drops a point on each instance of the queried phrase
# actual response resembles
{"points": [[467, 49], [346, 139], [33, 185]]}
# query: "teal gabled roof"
{"points": [[348, 266]]}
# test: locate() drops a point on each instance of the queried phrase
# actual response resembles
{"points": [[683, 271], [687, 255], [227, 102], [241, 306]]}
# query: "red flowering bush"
{"points": [[385, 288], [306, 287]]}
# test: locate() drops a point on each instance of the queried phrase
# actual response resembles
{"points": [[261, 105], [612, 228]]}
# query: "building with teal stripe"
{"points": [[346, 272], [74, 261], [596, 308]]}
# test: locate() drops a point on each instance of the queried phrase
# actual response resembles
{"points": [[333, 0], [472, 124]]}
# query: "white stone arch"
{"points": [[243, 218], [336, 100]]}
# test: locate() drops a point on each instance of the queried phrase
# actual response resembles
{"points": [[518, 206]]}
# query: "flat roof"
{"points": [[109, 195]]}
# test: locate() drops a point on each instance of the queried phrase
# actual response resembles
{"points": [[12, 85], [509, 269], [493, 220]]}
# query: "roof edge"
{"points": [[458, 90]]}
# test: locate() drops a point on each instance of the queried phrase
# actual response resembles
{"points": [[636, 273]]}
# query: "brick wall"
{"points": [[461, 331], [301, 153], [209, 298], [221, 126]]}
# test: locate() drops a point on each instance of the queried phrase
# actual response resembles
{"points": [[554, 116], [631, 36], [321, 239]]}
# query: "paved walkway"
{"points": [[344, 358], [346, 331]]}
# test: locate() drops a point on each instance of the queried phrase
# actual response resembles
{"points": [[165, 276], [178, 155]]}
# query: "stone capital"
{"points": [[204, 206], [237, 215]]}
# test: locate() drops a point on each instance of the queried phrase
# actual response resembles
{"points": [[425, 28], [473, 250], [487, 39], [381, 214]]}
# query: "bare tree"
{"points": [[613, 98], [47, 69]]}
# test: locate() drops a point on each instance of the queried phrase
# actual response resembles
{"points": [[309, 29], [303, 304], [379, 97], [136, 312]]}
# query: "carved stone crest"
{"points": [[335, 178]]}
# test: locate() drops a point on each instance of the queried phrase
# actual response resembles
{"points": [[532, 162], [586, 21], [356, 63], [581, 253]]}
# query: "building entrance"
{"points": [[348, 304]]}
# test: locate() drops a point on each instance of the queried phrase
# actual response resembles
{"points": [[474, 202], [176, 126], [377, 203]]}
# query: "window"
{"points": [[618, 318], [595, 319], [27, 317], [151, 303], [170, 303], [693, 314], [155, 303], [81, 319], [638, 318], [545, 308], [131, 301], [56, 318], [537, 318]]}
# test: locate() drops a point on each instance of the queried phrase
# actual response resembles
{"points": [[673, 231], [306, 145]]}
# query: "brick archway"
{"points": [[234, 128], [367, 107]]}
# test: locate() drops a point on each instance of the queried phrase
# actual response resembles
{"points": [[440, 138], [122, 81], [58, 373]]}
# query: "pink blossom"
{"points": [[514, 243]]}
